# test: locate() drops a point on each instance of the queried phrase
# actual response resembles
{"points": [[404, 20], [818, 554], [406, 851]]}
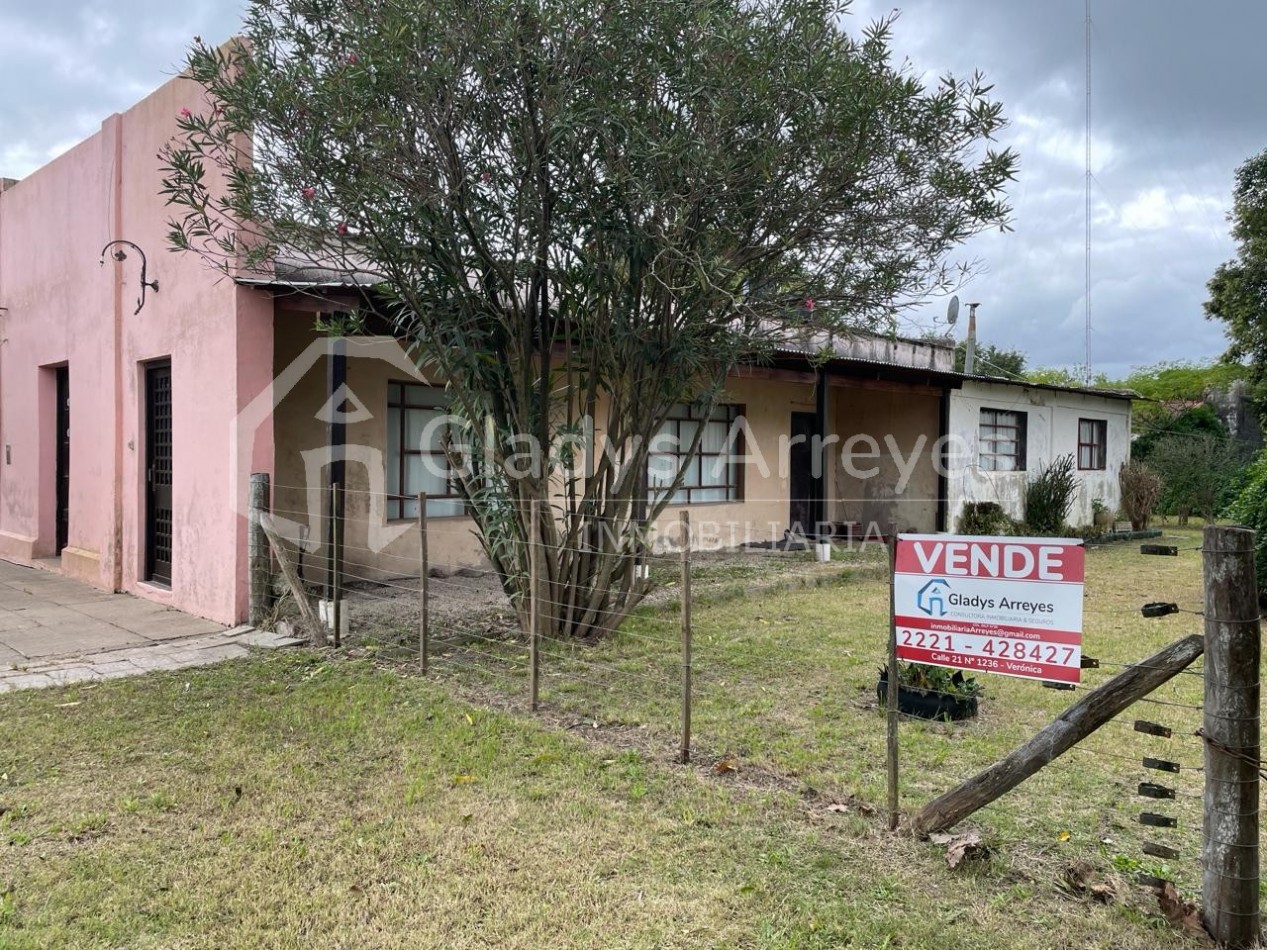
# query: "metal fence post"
{"points": [[424, 604], [257, 551], [336, 562], [534, 604], [891, 700], [686, 637], [1231, 731]]}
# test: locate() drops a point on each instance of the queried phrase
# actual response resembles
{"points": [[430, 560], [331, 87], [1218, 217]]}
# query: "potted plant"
{"points": [[931, 692], [1101, 514]]}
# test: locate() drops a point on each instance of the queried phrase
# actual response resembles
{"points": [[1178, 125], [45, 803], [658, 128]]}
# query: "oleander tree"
{"points": [[580, 209]]}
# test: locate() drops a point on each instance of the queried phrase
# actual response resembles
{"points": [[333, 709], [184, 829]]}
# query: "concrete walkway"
{"points": [[55, 631]]}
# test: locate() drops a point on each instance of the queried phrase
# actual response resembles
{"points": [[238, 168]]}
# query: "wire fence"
{"points": [[724, 660]]}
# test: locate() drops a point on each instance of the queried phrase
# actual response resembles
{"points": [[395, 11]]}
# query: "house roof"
{"points": [[851, 353]]}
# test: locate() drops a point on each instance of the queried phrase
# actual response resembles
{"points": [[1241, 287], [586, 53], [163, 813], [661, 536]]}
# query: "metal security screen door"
{"points": [[158, 473], [63, 459]]}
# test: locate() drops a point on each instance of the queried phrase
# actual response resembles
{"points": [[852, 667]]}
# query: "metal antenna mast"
{"points": [[1087, 193]]}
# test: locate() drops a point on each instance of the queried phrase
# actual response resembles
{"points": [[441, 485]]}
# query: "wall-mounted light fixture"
{"points": [[121, 255]]}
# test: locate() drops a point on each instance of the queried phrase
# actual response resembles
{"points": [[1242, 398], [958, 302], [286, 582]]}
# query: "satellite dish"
{"points": [[952, 310]]}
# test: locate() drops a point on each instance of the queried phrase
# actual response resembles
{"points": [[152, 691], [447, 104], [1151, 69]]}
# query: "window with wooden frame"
{"points": [[1093, 445], [416, 460], [714, 473], [1001, 440]]}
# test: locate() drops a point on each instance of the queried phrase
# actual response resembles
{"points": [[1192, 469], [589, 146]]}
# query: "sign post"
{"points": [[1011, 606]]}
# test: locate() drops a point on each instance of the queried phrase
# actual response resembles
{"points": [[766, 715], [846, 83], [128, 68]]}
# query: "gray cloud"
{"points": [[1177, 103]]}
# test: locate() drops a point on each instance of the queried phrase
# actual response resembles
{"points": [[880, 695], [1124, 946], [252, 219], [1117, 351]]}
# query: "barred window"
{"points": [[711, 475], [1093, 442], [416, 461], [1002, 440]]}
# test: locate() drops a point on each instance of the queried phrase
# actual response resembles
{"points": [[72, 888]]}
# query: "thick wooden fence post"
{"points": [[257, 551], [1229, 848], [534, 604], [686, 637], [424, 602], [336, 562]]}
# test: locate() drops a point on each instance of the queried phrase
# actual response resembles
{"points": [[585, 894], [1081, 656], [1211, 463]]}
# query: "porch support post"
{"points": [[336, 438], [943, 457], [819, 505]]}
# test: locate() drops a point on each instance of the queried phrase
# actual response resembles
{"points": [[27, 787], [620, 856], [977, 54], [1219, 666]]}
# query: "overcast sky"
{"points": [[1178, 100]]}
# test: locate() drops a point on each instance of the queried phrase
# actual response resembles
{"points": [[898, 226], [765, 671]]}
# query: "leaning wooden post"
{"points": [[685, 523], [336, 562], [534, 605], [891, 700], [1058, 737], [257, 551], [424, 603], [1233, 649]]}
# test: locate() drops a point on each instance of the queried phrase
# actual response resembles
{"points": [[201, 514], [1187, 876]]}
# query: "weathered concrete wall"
{"points": [[1052, 431], [893, 432], [66, 308]]}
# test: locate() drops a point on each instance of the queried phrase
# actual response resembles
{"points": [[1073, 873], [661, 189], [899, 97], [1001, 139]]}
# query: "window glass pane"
{"points": [[393, 509], [393, 451], [425, 396], [686, 436], [714, 437], [393, 393], [714, 470], [444, 507], [409, 508], [708, 494], [691, 478], [424, 432], [660, 470]]}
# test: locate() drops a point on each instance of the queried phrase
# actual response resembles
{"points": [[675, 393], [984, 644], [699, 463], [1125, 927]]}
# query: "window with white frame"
{"points": [[714, 473], [1093, 444], [416, 460], [1001, 440]]}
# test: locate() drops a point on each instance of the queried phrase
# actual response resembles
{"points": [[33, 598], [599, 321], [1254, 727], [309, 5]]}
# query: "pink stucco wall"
{"points": [[65, 308]]}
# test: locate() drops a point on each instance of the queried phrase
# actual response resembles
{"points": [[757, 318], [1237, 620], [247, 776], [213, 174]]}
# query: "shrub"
{"points": [[983, 517], [1249, 509], [1049, 496], [1141, 490]]}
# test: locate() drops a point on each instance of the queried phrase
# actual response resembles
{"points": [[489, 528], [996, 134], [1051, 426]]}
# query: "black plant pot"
{"points": [[927, 705]]}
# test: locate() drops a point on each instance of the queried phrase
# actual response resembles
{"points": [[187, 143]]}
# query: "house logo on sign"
{"points": [[931, 598]]}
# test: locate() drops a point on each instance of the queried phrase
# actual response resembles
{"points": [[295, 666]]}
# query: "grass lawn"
{"points": [[301, 800]]}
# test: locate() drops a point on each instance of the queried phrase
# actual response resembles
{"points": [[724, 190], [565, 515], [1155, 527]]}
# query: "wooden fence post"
{"points": [[424, 603], [336, 562], [257, 551], [313, 621], [891, 700], [534, 605], [686, 636], [1231, 731]]}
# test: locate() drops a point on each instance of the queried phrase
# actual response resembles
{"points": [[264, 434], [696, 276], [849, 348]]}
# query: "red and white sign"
{"points": [[996, 605]]}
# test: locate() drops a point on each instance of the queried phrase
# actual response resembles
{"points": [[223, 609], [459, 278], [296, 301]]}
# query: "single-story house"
{"points": [[139, 390]]}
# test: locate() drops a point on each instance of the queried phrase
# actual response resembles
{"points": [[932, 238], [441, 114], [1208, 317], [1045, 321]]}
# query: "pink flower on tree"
{"points": [[309, 193], [185, 113], [351, 59], [486, 178], [809, 304], [342, 229]]}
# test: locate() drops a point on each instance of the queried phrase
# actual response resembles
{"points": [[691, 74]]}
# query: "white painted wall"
{"points": [[1053, 431]]}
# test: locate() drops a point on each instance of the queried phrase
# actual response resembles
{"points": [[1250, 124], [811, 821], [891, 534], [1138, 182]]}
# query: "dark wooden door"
{"points": [[158, 473], [803, 487], [63, 458]]}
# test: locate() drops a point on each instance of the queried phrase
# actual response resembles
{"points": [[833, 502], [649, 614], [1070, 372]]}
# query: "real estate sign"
{"points": [[991, 604]]}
